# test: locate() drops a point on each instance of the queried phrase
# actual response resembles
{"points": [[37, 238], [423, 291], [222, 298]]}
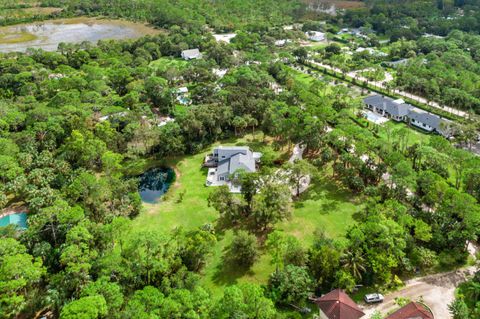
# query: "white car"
{"points": [[373, 298]]}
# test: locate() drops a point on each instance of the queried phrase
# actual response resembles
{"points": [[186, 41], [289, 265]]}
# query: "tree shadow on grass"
{"points": [[227, 272]]}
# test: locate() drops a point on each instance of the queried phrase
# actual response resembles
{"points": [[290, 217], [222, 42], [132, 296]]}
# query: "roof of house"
{"points": [[192, 53], [338, 305], [425, 117], [412, 310], [393, 107], [233, 148], [237, 162]]}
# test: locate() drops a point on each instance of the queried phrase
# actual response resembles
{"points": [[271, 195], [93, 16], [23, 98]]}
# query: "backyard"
{"points": [[325, 206]]}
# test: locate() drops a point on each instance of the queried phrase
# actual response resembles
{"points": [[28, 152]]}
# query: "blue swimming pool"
{"points": [[18, 219]]}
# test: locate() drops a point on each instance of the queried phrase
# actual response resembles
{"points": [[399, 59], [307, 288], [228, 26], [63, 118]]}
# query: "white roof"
{"points": [[225, 37]]}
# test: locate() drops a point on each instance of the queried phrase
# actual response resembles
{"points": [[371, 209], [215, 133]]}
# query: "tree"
{"points": [[243, 250], [271, 204], [91, 307], [244, 301], [285, 250], [459, 309], [195, 247], [112, 292], [292, 285], [354, 262], [227, 205], [19, 272], [298, 172]]}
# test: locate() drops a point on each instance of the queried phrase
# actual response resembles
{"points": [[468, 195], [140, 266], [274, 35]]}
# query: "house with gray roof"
{"points": [[400, 111], [225, 161], [430, 122], [191, 54], [387, 107]]}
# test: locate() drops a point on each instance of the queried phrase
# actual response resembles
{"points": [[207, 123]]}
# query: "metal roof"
{"points": [[393, 107]]}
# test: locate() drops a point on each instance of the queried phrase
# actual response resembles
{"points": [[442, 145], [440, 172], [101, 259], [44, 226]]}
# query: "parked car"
{"points": [[373, 298]]}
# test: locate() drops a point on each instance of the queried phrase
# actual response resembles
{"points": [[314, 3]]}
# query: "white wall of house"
{"points": [[421, 125], [323, 315]]}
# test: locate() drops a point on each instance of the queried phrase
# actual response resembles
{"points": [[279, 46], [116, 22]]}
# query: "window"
{"points": [[223, 156], [222, 178]]}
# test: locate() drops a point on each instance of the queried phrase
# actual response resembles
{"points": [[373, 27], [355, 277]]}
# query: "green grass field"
{"points": [[163, 64], [325, 206]]}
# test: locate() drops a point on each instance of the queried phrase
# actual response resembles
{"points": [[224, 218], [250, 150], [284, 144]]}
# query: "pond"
{"points": [[18, 219], [154, 183], [48, 34]]}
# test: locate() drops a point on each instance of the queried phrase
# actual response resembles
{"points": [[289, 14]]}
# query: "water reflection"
{"points": [[154, 183]]}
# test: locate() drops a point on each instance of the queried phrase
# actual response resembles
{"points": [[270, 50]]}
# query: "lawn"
{"points": [[164, 63], [325, 206]]}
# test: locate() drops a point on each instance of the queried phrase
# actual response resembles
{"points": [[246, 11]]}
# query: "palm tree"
{"points": [[472, 291], [354, 262]]}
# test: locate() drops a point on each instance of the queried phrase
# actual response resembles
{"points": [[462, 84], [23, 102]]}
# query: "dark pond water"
{"points": [[154, 183]]}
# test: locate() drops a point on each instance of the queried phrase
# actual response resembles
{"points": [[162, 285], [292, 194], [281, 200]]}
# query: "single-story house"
{"points": [[338, 305], [191, 54], [397, 110], [412, 310], [225, 161], [400, 111], [430, 122], [316, 36]]}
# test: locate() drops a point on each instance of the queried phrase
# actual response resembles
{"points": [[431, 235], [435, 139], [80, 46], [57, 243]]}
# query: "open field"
{"points": [[325, 206]]}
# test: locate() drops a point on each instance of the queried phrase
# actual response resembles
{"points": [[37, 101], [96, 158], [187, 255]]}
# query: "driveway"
{"points": [[436, 291]]}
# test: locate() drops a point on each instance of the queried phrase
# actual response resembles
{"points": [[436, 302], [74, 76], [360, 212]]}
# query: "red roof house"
{"points": [[338, 305], [413, 310]]}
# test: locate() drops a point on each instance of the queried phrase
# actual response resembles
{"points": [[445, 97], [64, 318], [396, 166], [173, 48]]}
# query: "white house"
{"points": [[191, 54], [315, 36]]}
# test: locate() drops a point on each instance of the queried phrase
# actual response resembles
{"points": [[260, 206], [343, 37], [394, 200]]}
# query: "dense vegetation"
{"points": [[73, 122], [220, 15]]}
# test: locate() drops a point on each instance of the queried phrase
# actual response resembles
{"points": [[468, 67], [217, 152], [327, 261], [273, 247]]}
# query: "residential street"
{"points": [[399, 92], [436, 291]]}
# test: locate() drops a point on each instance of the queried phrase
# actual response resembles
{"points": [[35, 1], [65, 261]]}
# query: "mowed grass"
{"points": [[325, 207], [164, 63]]}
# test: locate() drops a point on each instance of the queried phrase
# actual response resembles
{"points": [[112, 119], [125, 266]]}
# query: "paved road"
{"points": [[399, 92], [436, 291]]}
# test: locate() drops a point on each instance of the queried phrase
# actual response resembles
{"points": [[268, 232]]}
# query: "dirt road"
{"points": [[436, 291]]}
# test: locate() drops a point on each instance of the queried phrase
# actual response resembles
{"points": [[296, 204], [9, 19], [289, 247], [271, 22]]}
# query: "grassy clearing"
{"points": [[163, 64], [325, 206]]}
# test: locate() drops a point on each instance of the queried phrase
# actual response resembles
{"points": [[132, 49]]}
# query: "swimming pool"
{"points": [[375, 118], [18, 219]]}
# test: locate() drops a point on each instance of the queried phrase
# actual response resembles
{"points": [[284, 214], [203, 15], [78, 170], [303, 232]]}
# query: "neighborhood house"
{"points": [[412, 310], [338, 305], [400, 111], [191, 54], [316, 36], [225, 161]]}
